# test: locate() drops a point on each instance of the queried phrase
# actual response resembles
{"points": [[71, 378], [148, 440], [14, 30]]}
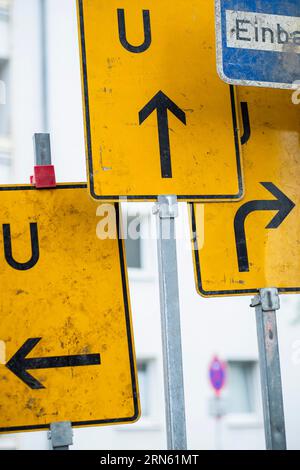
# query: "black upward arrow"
{"points": [[282, 204], [19, 365], [161, 103]]}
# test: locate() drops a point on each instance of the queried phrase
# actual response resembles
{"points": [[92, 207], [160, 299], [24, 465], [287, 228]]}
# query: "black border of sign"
{"points": [[220, 197], [128, 326], [220, 293]]}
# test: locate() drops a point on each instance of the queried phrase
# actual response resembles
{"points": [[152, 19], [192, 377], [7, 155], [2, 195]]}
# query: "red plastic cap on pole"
{"points": [[44, 177]]}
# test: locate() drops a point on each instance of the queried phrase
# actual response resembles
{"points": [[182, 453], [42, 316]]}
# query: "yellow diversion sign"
{"points": [[67, 350], [255, 243], [158, 118]]}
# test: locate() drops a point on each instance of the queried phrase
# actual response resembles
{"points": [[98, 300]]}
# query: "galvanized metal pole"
{"points": [[42, 149], [266, 304], [166, 210], [61, 435]]}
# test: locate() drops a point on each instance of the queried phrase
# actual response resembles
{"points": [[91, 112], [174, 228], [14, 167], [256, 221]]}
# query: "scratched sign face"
{"points": [[240, 248], [66, 347], [258, 42], [158, 118]]}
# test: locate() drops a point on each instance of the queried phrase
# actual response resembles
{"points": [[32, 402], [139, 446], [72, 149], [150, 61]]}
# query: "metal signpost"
{"points": [[67, 323], [158, 119], [258, 43], [166, 211], [259, 246], [266, 303]]}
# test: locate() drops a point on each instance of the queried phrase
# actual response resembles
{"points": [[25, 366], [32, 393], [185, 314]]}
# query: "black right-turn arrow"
{"points": [[161, 103], [282, 204]]}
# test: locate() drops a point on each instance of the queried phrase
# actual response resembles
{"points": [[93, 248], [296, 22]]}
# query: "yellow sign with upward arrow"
{"points": [[240, 248], [67, 350], [158, 118]]}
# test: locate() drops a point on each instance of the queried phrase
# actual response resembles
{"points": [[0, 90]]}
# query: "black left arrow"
{"points": [[161, 103], [19, 364], [282, 204]]}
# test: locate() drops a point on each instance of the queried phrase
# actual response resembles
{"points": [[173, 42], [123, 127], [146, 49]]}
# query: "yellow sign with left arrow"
{"points": [[255, 243], [67, 350]]}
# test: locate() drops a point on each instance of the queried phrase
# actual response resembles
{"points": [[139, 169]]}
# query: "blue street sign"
{"points": [[258, 42], [217, 374]]}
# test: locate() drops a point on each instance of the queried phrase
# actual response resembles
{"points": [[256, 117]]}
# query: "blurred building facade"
{"points": [[40, 91]]}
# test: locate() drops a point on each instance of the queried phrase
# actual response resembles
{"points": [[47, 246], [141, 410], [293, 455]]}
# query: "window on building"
{"points": [[4, 99], [241, 382], [144, 386], [5, 4], [2, 91], [139, 237], [133, 242]]}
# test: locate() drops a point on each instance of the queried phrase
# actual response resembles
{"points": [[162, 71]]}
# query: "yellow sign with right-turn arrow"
{"points": [[240, 248]]}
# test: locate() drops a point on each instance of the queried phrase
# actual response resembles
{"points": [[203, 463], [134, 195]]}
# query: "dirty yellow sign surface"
{"points": [[255, 243], [66, 341], [158, 118]]}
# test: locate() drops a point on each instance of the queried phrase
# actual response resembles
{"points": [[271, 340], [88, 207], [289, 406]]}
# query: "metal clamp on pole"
{"points": [[61, 435], [166, 211], [266, 304], [44, 172]]}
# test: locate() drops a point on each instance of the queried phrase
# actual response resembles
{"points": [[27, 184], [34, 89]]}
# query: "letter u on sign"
{"points": [[123, 37], [34, 248]]}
